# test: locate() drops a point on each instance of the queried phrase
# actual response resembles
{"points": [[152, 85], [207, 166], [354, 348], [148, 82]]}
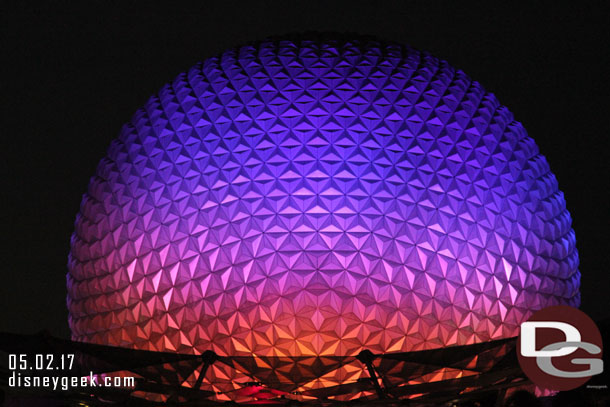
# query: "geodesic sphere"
{"points": [[319, 197]]}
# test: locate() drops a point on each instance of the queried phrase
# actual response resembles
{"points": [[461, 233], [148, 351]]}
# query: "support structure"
{"points": [[366, 357], [208, 357]]}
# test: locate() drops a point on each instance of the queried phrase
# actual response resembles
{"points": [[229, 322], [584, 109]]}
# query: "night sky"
{"points": [[72, 77]]}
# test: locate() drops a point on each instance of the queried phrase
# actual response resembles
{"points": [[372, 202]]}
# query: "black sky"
{"points": [[72, 77]]}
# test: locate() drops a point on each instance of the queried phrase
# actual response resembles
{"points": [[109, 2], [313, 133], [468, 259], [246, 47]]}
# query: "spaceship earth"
{"points": [[318, 197]]}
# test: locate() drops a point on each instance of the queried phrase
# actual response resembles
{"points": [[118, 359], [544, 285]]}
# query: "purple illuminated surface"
{"points": [[319, 198]]}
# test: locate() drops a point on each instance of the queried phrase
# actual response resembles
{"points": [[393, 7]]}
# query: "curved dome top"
{"points": [[318, 197]]}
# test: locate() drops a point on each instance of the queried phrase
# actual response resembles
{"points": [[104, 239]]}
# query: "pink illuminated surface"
{"points": [[319, 198]]}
